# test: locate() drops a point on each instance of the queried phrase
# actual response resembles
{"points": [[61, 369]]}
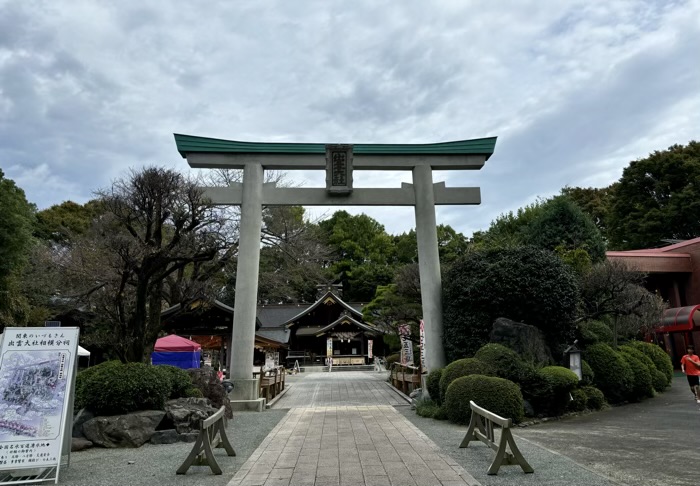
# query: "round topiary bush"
{"points": [[646, 362], [559, 383], [496, 395], [505, 362], [587, 375], [84, 377], [462, 367], [641, 386], [391, 359], [613, 375], [123, 388], [595, 400], [180, 381], [432, 383], [658, 381], [578, 401], [658, 356], [593, 332]]}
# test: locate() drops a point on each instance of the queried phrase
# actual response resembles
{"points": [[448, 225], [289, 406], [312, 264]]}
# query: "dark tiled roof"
{"points": [[276, 315], [280, 334]]}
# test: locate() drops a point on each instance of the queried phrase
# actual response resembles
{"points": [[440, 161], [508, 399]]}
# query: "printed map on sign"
{"points": [[33, 388]]}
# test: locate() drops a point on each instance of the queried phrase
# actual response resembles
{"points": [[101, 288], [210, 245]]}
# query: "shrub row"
{"points": [[635, 371]]}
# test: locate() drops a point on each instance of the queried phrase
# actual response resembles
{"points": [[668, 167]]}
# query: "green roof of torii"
{"points": [[191, 144]]}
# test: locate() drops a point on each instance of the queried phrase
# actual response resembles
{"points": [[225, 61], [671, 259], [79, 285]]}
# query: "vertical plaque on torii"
{"points": [[339, 169]]}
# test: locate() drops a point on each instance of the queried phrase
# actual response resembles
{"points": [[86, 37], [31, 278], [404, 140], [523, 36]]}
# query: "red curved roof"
{"points": [[680, 318]]}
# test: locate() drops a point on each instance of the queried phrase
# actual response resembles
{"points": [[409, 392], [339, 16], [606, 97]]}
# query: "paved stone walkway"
{"points": [[338, 388], [370, 445]]}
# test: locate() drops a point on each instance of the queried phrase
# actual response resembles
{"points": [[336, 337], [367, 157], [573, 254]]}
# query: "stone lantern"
{"points": [[574, 359]]}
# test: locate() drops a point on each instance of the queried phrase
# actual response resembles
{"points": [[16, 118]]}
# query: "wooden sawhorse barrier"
{"points": [[481, 428], [212, 434]]}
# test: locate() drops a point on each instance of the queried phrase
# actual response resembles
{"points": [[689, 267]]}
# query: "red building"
{"points": [[674, 272]]}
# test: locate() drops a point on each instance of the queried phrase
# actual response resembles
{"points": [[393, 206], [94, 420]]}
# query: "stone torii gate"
{"points": [[339, 161]]}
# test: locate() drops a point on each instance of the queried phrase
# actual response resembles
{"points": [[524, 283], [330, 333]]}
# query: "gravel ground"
{"points": [[551, 468], [155, 465], [632, 445]]}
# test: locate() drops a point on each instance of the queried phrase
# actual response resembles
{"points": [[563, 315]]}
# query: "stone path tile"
{"points": [[354, 445], [338, 389]]}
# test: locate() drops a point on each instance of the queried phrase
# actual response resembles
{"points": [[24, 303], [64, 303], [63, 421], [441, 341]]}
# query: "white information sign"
{"points": [[37, 367], [370, 342]]}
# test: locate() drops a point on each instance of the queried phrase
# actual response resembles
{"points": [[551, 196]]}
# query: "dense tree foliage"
{"points": [[561, 224], [525, 284], [60, 223], [16, 225], [595, 202], [362, 251], [657, 199], [556, 224]]}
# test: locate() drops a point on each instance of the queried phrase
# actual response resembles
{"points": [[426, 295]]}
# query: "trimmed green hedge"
{"points": [[659, 357], [86, 376], [593, 332], [496, 395], [391, 359], [560, 382], [613, 375], [641, 385], [649, 365], [114, 388], [578, 401], [432, 383], [462, 367], [595, 400], [180, 381], [505, 362]]}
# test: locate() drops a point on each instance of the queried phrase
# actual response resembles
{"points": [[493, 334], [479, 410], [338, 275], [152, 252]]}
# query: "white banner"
{"points": [[406, 345], [422, 345], [369, 348], [329, 347], [36, 378]]}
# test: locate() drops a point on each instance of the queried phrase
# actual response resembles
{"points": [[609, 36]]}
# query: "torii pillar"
{"points": [[338, 161]]}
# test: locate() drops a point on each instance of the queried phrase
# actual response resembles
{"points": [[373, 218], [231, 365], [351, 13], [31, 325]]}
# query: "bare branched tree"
{"points": [[159, 240], [611, 289]]}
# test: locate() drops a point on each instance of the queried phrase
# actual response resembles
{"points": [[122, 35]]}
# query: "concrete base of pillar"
{"points": [[424, 385], [248, 405], [245, 389]]}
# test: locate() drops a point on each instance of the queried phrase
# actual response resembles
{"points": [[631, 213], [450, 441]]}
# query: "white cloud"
{"points": [[574, 90]]}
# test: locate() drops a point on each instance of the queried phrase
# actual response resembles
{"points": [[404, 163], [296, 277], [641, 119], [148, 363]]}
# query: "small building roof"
{"points": [[323, 300], [344, 319]]}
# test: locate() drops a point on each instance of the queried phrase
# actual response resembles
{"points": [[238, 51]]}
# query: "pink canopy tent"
{"points": [[176, 343], [176, 351]]}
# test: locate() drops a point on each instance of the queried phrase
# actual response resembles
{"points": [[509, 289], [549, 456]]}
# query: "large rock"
{"points": [[79, 444], [526, 340], [186, 414], [83, 416], [131, 430]]}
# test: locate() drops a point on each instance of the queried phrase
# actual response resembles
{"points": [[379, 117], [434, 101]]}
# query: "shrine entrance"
{"points": [[339, 161]]}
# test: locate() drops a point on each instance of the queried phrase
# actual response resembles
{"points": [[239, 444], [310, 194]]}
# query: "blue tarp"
{"points": [[181, 359]]}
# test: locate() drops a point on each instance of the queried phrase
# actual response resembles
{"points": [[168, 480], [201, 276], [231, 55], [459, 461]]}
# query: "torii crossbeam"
{"points": [[339, 161]]}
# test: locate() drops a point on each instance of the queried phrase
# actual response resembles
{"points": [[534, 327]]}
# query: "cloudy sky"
{"points": [[574, 90]]}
